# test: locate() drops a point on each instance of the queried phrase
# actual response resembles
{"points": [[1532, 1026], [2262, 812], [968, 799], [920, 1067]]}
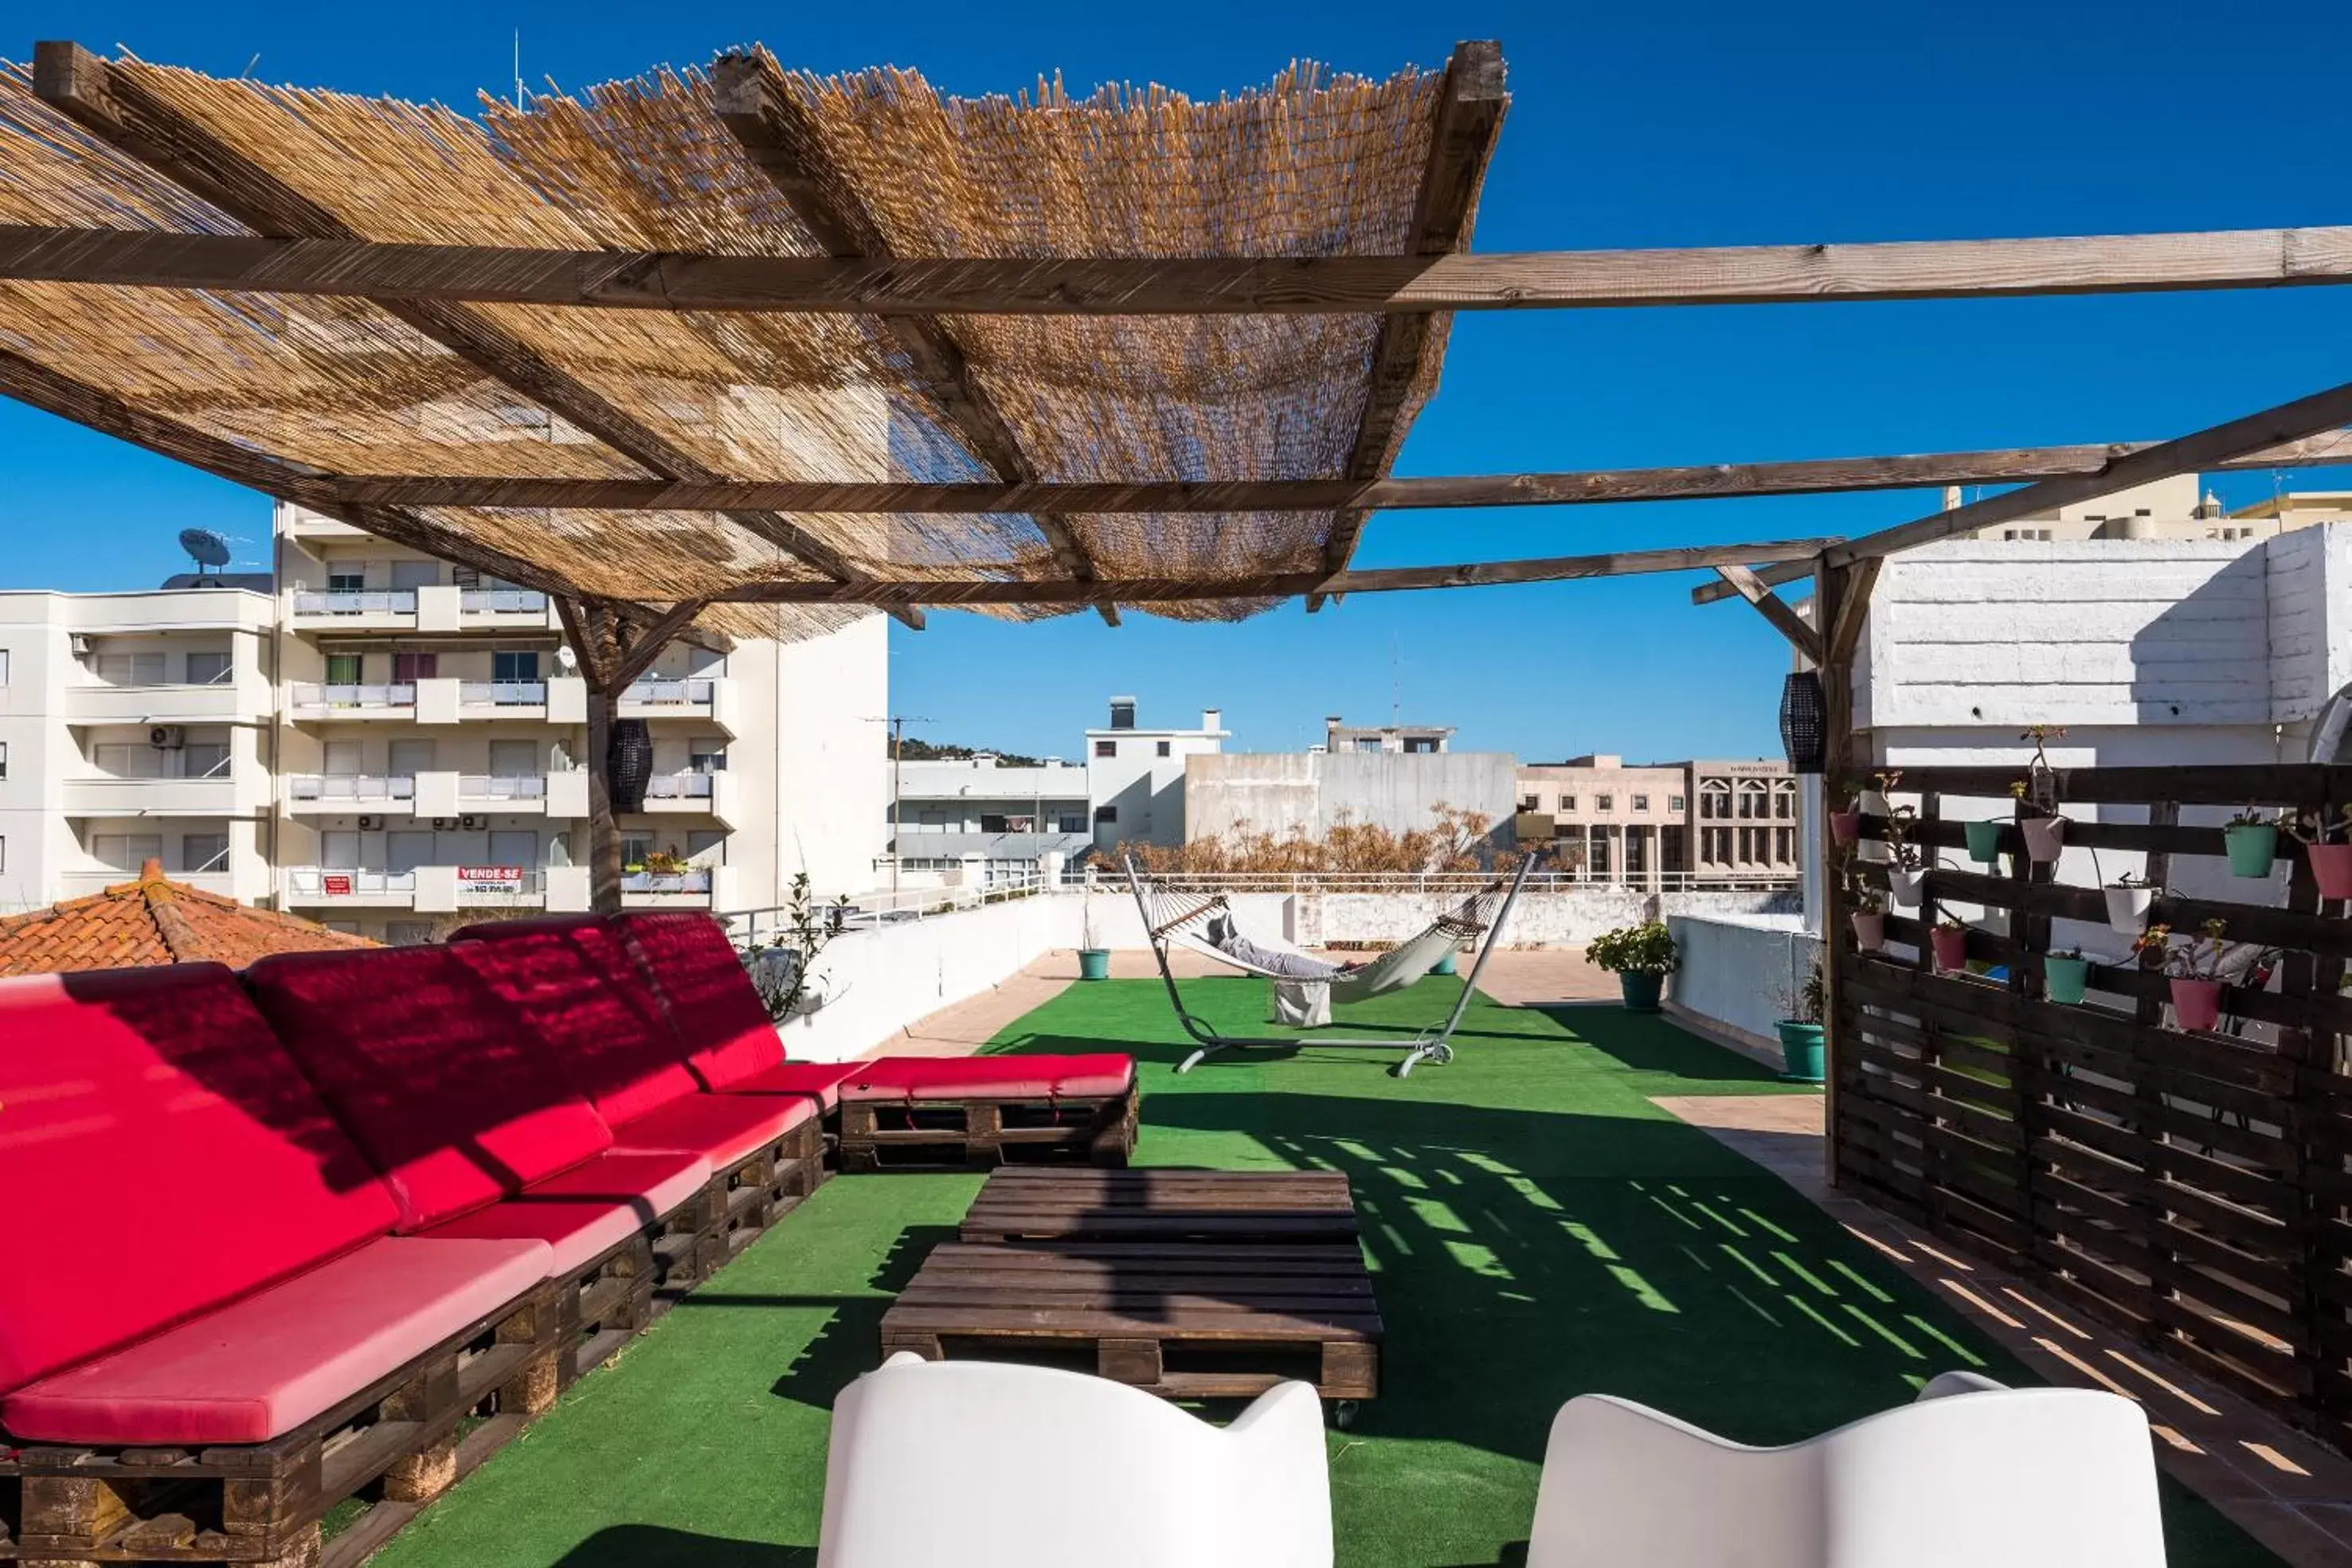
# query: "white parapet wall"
{"points": [[1738, 972]]}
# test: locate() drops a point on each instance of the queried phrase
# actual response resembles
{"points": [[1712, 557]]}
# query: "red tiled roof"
{"points": [[154, 920]]}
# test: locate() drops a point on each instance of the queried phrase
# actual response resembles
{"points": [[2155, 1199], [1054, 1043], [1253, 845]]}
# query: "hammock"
{"points": [[1171, 919]]}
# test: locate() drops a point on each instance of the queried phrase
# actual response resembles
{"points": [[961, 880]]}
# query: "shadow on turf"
{"points": [[656, 1546]]}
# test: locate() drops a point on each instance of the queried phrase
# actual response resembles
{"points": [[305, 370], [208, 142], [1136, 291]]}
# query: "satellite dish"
{"points": [[206, 548], [567, 658]]}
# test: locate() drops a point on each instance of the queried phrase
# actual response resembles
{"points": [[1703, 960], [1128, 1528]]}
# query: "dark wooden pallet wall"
{"points": [[2192, 1188]]}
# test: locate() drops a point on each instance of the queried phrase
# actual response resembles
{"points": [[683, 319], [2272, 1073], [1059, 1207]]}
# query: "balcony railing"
{"points": [[495, 787], [502, 602], [670, 694], [679, 787], [318, 695], [191, 767], [319, 882], [350, 787], [693, 880], [372, 602], [502, 693]]}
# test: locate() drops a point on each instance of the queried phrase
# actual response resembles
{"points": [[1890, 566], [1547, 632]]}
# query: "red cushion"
{"points": [[1093, 1077], [159, 1153], [577, 986], [700, 979], [265, 1364], [444, 1086], [588, 1211], [721, 1128], [820, 1081]]}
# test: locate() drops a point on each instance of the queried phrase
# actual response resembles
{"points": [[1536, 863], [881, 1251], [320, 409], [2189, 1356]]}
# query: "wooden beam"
{"points": [[1584, 488], [1469, 117], [1853, 610], [1275, 585], [2201, 450], [776, 133], [114, 108], [647, 640], [921, 287], [1786, 620]]}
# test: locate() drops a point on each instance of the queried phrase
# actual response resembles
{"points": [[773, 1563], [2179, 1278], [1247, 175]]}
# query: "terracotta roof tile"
{"points": [[154, 920]]}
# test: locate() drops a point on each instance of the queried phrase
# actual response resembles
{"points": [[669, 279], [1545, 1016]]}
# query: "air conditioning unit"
{"points": [[79, 644], [370, 824], [443, 824], [167, 737], [473, 824]]}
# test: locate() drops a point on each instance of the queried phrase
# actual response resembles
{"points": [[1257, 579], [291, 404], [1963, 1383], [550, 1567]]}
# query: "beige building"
{"points": [[1728, 821], [1416, 740], [2179, 507]]}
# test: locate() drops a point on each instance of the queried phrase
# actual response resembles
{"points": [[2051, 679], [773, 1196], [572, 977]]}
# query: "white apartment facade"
{"points": [[953, 812], [1135, 775], [392, 744]]}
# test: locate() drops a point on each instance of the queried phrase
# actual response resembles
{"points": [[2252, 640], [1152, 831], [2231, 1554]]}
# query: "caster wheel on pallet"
{"points": [[1343, 1413]]}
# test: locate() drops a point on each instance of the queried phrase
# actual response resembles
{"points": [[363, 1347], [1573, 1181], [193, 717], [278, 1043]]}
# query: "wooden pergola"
{"points": [[171, 203]]}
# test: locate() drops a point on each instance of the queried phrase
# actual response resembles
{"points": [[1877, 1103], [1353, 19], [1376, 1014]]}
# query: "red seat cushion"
{"points": [[589, 1210], [576, 984], [159, 1153], [819, 1081], [721, 1128], [442, 1084], [709, 1001], [1092, 1077], [265, 1364]]}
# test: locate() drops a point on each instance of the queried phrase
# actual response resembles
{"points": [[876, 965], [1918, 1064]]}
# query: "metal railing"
{"points": [[371, 602], [327, 883], [694, 879], [502, 693], [679, 787], [772, 923], [502, 602], [312, 693], [350, 787], [670, 694], [501, 786], [1462, 883]]}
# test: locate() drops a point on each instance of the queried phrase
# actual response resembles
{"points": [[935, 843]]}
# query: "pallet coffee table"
{"points": [[1188, 1284]]}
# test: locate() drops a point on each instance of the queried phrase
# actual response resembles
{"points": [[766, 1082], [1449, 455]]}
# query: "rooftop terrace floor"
{"points": [[1536, 1226]]}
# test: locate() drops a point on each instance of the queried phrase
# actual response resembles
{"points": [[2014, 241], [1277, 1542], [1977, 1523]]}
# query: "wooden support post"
{"points": [[1838, 762]]}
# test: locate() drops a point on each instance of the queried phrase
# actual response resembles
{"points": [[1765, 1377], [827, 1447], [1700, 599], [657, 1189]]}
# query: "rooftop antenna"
{"points": [[246, 74], [206, 548], [897, 723], [518, 67]]}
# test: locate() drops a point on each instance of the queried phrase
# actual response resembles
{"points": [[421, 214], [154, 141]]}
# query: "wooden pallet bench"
{"points": [[983, 1132], [757, 1191], [1162, 1204], [397, 1443]]}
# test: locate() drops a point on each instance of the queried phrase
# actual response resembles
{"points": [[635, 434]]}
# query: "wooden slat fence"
{"points": [[2192, 1188]]}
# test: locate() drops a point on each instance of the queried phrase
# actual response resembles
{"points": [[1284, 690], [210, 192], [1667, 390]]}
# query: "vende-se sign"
{"points": [[490, 879], [336, 886]]}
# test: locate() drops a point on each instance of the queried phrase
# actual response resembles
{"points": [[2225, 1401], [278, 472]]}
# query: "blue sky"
{"points": [[1660, 125]]}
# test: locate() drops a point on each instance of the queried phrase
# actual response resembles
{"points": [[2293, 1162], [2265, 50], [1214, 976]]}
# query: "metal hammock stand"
{"points": [[1166, 916]]}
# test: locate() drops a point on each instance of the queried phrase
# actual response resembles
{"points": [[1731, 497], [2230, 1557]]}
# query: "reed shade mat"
{"points": [[1181, 1318], [1161, 1205]]}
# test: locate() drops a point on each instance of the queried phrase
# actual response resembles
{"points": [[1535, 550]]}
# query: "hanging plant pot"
{"points": [[1804, 721], [2044, 838], [628, 765], [2252, 846], [1984, 841], [2127, 908], [2065, 979], [1952, 948], [2196, 1004], [1902, 887], [1870, 929], [2331, 867], [1845, 826]]}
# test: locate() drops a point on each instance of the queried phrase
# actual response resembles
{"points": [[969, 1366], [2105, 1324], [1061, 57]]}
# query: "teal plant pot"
{"points": [[2065, 979], [1803, 1051], [1641, 991], [2252, 847], [1446, 966], [1094, 963], [1984, 842]]}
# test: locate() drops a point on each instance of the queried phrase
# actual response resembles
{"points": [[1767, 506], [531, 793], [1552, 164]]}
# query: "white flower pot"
{"points": [[1903, 888], [2127, 908]]}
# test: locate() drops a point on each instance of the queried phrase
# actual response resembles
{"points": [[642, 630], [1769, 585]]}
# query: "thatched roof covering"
{"points": [[1312, 164]]}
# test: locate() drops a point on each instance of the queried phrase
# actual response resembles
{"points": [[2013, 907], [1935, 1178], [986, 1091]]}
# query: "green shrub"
{"points": [[1644, 949]]}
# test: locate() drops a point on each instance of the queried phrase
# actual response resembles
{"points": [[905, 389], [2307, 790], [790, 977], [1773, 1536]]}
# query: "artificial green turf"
{"points": [[1536, 1227]]}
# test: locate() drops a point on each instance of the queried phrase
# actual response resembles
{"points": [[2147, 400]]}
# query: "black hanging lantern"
{"points": [[1804, 721], [629, 764]]}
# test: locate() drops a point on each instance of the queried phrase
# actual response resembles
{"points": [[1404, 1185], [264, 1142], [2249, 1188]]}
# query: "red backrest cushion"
{"points": [[578, 987], [159, 1153], [700, 979], [442, 1084]]}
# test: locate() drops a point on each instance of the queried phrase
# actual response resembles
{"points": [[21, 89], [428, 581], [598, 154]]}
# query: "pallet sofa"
{"points": [[395, 1200]]}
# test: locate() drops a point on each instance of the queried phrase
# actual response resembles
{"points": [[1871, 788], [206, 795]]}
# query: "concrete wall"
{"points": [[1282, 792], [1738, 972]]}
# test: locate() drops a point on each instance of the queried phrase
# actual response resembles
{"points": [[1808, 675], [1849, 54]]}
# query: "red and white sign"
{"points": [[490, 879], [335, 886]]}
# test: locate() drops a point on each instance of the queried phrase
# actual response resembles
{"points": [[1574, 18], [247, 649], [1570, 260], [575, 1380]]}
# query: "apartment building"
{"points": [[384, 743], [1721, 821], [952, 812], [2177, 508], [1135, 775], [1417, 739]]}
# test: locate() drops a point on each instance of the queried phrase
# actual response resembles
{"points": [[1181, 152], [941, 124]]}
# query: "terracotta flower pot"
{"points": [[1903, 888], [2331, 867], [1845, 826], [1869, 930], [2044, 838], [2196, 1004], [1951, 950], [2127, 908]]}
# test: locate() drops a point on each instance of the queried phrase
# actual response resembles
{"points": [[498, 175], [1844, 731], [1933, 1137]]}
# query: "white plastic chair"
{"points": [[1969, 1475], [982, 1464]]}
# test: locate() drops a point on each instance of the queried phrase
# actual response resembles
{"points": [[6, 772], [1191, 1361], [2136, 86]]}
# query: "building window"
{"points": [[1421, 743], [209, 669], [128, 669], [1071, 824], [1368, 743], [1784, 849], [203, 852], [1106, 749], [1162, 747], [4, 666], [1604, 802], [705, 754], [1567, 802], [4, 761], [347, 581], [1530, 803], [1105, 814], [407, 669], [1675, 805], [995, 822], [508, 666], [1641, 802], [126, 851], [635, 848]]}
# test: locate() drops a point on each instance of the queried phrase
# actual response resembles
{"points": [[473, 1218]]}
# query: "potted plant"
{"points": [[2328, 846], [1906, 871], [1950, 941], [1869, 917], [1845, 812], [2043, 830], [2128, 897], [1984, 839], [1641, 956], [2066, 975], [2251, 839], [1094, 958], [1801, 1034], [2194, 969], [1877, 801], [2041, 779]]}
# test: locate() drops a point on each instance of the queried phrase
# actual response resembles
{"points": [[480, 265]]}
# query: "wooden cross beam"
{"points": [[921, 287], [775, 132], [113, 107], [1711, 481], [2207, 448], [1784, 619], [1469, 117]]}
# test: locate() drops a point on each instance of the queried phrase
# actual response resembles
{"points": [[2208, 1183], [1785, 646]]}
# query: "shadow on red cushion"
{"points": [[441, 1084], [708, 997], [588, 1211], [159, 1153], [1096, 1076], [721, 1128], [820, 1081]]}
